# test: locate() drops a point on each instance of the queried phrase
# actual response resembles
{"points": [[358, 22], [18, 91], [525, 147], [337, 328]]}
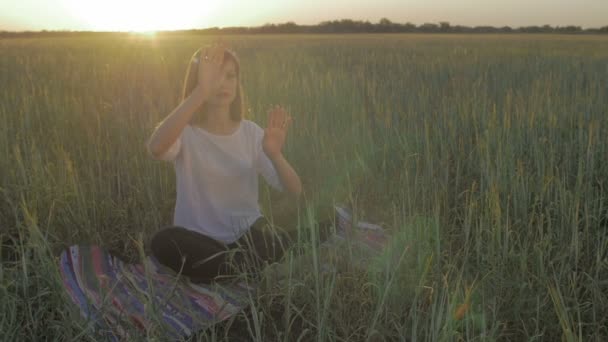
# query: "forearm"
{"points": [[171, 127], [288, 176]]}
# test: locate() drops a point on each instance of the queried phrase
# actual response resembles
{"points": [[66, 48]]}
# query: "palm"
{"points": [[274, 135]]}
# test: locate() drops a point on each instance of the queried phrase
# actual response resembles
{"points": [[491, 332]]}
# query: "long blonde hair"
{"points": [[237, 107]]}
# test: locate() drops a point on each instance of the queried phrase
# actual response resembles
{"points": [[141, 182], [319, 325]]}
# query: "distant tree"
{"points": [[461, 29], [573, 29], [267, 28], [367, 26], [345, 25], [546, 29], [484, 29], [289, 27], [385, 25], [530, 29], [409, 27], [444, 26], [568, 29], [385, 22], [428, 27]]}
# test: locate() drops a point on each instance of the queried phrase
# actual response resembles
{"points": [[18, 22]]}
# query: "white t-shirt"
{"points": [[217, 180]]}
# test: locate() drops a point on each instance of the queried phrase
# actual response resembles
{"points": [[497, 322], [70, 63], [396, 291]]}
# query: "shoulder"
{"points": [[189, 135], [252, 128], [187, 131], [251, 124]]}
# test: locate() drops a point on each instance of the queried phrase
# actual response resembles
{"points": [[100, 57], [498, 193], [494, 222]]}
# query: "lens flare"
{"points": [[140, 15]]}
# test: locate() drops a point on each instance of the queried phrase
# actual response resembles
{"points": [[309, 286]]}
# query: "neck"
{"points": [[216, 119]]}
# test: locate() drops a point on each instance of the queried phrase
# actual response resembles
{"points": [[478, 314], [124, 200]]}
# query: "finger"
{"points": [[284, 124], [288, 123], [274, 119], [221, 48], [202, 54], [282, 117], [211, 52], [279, 116], [270, 119], [223, 45], [287, 126], [220, 52], [228, 46], [208, 54]]}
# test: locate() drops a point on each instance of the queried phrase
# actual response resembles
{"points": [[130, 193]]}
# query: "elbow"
{"points": [[153, 149], [296, 191]]}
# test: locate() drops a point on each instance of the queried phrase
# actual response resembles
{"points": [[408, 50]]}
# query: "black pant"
{"points": [[203, 258]]}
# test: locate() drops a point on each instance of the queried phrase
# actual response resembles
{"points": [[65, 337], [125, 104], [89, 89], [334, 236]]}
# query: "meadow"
{"points": [[483, 154]]}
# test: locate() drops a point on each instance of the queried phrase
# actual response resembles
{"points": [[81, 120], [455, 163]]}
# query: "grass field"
{"points": [[485, 154]]}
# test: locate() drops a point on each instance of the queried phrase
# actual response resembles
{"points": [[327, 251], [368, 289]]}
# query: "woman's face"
{"points": [[228, 84]]}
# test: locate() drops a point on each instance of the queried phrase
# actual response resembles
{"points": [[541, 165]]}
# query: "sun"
{"points": [[140, 15]]}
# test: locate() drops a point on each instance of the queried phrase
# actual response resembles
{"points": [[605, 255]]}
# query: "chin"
{"points": [[229, 100], [221, 102]]}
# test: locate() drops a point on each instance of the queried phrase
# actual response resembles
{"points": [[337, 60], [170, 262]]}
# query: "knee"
{"points": [[155, 244], [160, 240]]}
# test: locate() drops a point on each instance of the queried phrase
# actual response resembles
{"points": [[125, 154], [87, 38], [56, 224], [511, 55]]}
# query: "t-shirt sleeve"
{"points": [[173, 151], [263, 165]]}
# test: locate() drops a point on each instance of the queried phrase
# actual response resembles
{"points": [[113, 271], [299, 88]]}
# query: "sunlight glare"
{"points": [[140, 15]]}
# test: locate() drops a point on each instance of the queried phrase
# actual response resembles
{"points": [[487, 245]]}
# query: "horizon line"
{"points": [[292, 22]]}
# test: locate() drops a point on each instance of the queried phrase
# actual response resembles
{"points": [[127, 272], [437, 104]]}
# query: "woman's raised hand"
{"points": [[209, 70], [274, 135]]}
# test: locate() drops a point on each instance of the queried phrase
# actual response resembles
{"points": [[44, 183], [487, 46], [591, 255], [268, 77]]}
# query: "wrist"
{"points": [[275, 156], [200, 95]]}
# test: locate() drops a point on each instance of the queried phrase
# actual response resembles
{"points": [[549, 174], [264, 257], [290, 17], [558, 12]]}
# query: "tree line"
{"points": [[384, 25]]}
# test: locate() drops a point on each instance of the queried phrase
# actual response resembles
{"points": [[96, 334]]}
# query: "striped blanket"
{"points": [[123, 300]]}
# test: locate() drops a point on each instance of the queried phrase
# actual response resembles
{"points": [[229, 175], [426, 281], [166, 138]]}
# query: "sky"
{"points": [[152, 15]]}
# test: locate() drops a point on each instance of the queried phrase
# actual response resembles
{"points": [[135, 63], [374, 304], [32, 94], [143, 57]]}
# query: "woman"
{"points": [[218, 228]]}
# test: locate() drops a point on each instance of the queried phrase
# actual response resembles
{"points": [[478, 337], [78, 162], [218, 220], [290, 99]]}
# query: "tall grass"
{"points": [[483, 155]]}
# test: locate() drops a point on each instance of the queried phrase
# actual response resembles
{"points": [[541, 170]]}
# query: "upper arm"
{"points": [[171, 153]]}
